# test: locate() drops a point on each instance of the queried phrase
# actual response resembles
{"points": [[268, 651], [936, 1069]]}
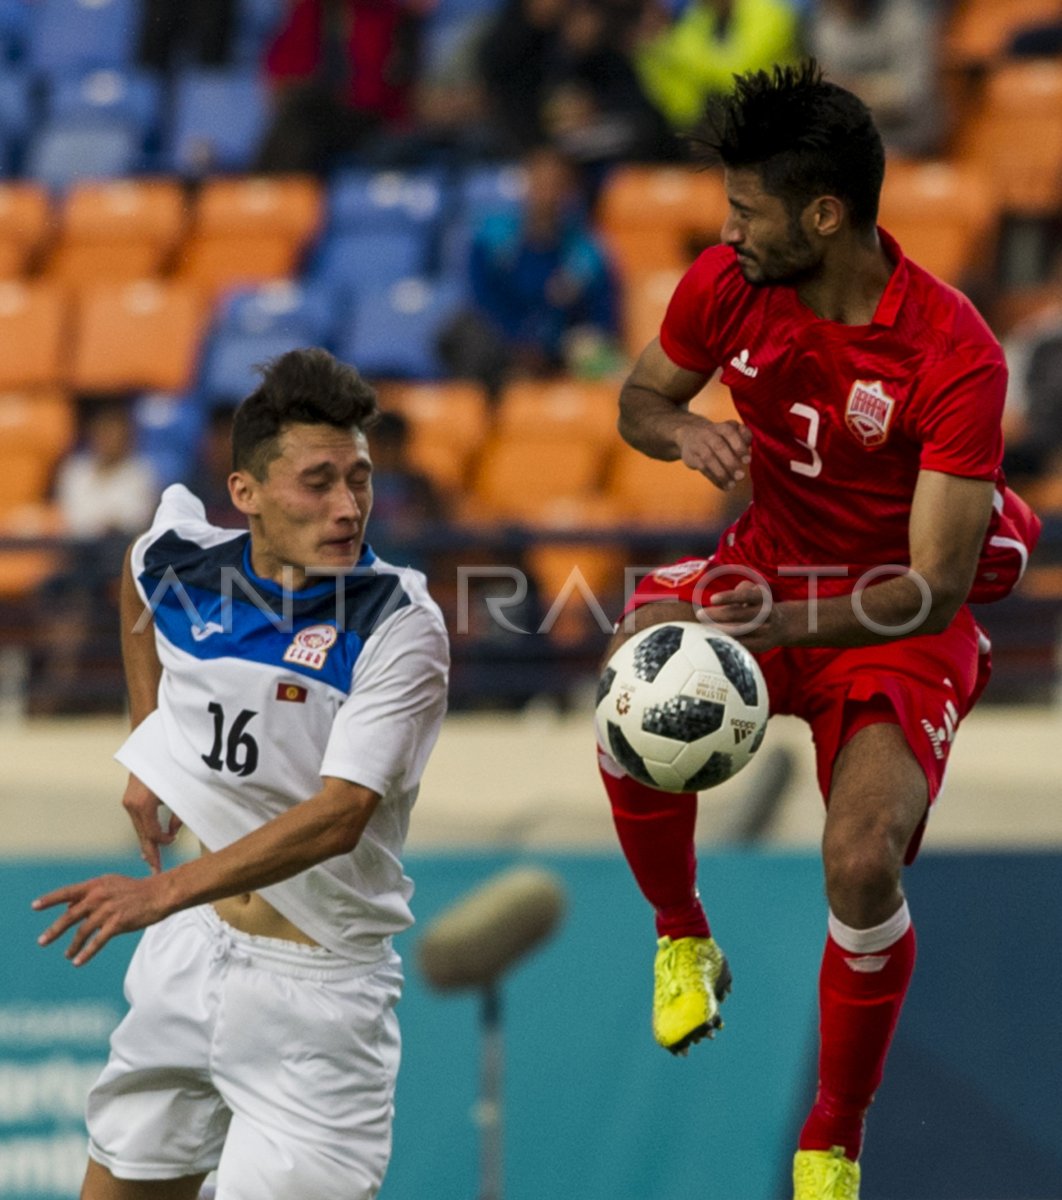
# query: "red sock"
{"points": [[656, 832], [862, 985]]}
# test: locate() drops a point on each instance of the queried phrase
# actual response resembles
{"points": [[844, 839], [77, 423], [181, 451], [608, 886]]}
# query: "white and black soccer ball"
{"points": [[681, 707]]}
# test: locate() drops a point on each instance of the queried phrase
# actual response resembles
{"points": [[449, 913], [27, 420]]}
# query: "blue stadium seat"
{"points": [[256, 22], [392, 334], [134, 96], [168, 428], [16, 102], [350, 263], [361, 199], [65, 151], [14, 29], [228, 374], [306, 310], [68, 34], [481, 190], [219, 118]]}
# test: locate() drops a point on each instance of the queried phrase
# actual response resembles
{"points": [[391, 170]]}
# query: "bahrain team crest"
{"points": [[310, 646], [869, 412]]}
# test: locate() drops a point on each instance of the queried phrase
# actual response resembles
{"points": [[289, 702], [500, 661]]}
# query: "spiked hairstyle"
{"points": [[805, 136]]}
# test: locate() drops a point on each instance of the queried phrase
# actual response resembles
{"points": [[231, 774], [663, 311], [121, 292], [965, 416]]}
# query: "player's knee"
{"points": [[862, 866]]}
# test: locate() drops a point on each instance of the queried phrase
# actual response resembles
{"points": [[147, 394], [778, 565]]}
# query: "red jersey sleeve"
{"points": [[689, 332], [960, 425]]}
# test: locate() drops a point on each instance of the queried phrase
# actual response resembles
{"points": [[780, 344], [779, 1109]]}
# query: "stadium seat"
{"points": [[659, 217], [582, 410], [133, 96], [943, 214], [448, 424], [979, 31], [644, 300], [16, 102], [66, 150], [289, 306], [256, 23], [32, 334], [394, 333], [15, 19], [219, 118], [23, 571], [650, 492], [1014, 136], [227, 373], [120, 230], [25, 221], [360, 200], [519, 477], [168, 428], [354, 263], [590, 574], [69, 34], [479, 192], [36, 430], [140, 336], [247, 231]]}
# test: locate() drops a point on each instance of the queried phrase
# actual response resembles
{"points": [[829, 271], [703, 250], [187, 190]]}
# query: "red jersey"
{"points": [[843, 417]]}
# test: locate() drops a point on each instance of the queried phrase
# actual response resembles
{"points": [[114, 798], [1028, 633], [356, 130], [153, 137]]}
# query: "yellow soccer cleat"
{"points": [[825, 1175], [691, 979]]}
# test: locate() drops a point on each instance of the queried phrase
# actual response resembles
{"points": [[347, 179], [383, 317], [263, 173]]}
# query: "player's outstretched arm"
{"points": [[143, 671], [655, 419], [328, 824]]}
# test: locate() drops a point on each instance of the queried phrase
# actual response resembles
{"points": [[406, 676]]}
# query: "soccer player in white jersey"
{"points": [[286, 689]]}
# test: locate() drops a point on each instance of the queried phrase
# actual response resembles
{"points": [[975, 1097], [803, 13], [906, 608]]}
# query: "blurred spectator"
{"points": [[106, 494], [175, 32], [209, 479], [405, 500], [687, 63], [341, 69], [545, 297], [1034, 397], [887, 52]]}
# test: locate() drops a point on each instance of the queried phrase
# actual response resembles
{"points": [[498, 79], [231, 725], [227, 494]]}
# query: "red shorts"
{"points": [[924, 684]]}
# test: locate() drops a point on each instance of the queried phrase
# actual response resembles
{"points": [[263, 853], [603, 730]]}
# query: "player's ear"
{"points": [[827, 215], [243, 490]]}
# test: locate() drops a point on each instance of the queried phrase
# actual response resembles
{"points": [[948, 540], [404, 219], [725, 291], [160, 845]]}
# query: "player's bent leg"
{"points": [[656, 832], [100, 1184], [877, 800]]}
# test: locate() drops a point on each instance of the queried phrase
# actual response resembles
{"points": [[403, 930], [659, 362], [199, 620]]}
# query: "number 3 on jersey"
{"points": [[241, 750], [814, 467]]}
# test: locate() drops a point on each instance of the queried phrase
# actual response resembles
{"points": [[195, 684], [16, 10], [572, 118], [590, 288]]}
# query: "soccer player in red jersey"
{"points": [[870, 396]]}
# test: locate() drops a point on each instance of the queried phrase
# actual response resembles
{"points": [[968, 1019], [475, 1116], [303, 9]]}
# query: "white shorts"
{"points": [[272, 1062]]}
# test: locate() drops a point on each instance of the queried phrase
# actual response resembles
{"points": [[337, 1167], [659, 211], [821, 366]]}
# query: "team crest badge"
{"points": [[310, 646], [869, 412], [675, 575]]}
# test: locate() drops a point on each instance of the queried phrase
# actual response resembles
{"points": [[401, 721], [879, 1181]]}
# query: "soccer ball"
{"points": [[681, 707]]}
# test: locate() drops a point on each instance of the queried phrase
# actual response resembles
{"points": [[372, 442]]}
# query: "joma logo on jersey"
{"points": [[310, 646], [869, 412]]}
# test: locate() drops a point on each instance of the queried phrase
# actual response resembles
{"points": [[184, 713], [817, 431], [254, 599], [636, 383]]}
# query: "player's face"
{"points": [[771, 245], [310, 511]]}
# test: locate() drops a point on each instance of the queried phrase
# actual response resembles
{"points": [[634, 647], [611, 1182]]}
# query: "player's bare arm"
{"points": [[949, 518], [655, 419], [143, 671], [330, 823]]}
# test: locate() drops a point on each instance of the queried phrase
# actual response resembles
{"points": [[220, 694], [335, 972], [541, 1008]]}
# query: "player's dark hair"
{"points": [[302, 387], [805, 136]]}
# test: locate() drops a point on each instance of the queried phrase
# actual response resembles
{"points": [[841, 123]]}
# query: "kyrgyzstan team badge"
{"points": [[310, 646], [869, 412]]}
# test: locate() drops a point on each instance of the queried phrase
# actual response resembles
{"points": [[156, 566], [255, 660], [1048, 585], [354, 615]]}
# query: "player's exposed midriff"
{"points": [[251, 913]]}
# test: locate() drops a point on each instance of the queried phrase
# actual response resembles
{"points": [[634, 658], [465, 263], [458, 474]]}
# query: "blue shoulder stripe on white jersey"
{"points": [[210, 604]]}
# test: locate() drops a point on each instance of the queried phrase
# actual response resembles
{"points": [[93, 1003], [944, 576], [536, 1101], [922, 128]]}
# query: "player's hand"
{"points": [[749, 614], [720, 450], [101, 908], [142, 805]]}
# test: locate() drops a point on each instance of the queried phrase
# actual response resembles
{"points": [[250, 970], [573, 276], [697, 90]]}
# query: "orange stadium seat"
{"points": [[650, 492], [448, 424], [657, 217], [32, 334], [136, 335], [249, 230], [582, 409], [36, 430], [645, 299], [978, 31], [521, 478], [21, 571], [25, 222], [117, 230], [1014, 135], [943, 214]]}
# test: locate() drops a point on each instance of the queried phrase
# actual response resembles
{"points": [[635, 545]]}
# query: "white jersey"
{"points": [[264, 691]]}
